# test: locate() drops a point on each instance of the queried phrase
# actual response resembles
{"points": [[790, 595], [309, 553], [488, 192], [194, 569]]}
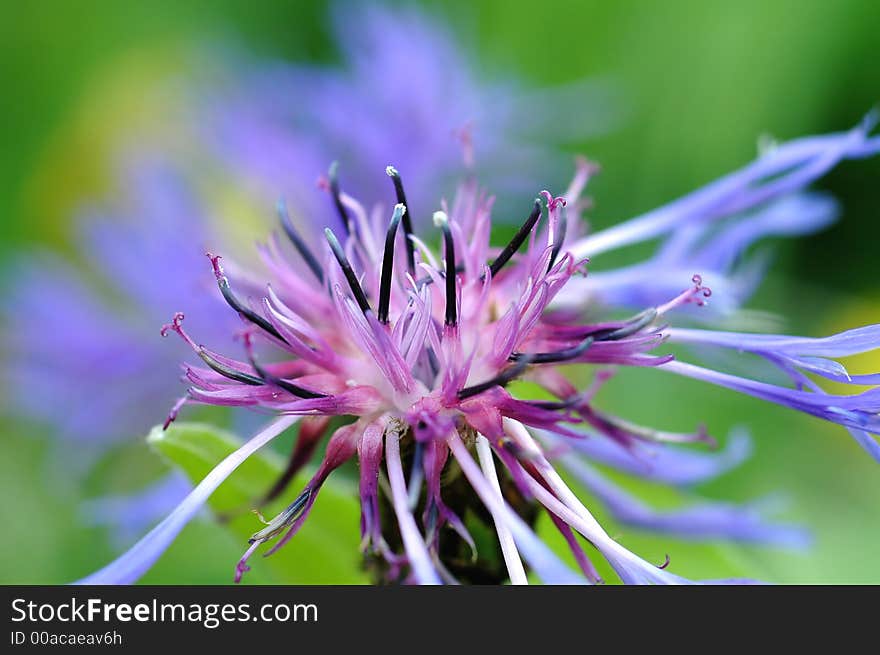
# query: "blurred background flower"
{"points": [[288, 90]]}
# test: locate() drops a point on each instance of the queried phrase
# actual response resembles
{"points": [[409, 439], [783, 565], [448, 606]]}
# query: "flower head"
{"points": [[403, 85], [416, 348]]}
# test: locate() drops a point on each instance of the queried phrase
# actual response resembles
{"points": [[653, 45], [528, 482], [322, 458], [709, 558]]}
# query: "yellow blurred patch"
{"points": [[853, 314], [129, 101]]}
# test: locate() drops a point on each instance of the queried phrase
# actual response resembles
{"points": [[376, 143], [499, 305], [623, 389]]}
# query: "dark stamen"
{"points": [[345, 265], [501, 380], [333, 178], [284, 519], [560, 238], [266, 377], [557, 356], [407, 218], [635, 324], [388, 264], [298, 243], [517, 239], [228, 372], [442, 221], [237, 305]]}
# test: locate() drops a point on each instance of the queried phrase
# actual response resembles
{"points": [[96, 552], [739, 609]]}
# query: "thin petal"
{"points": [[413, 542], [544, 561], [706, 520], [132, 564]]}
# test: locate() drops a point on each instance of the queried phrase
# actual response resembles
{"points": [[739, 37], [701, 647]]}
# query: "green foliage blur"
{"points": [[701, 81]]}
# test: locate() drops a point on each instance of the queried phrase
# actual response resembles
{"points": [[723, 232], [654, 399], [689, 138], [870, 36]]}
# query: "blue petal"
{"points": [[131, 565], [706, 520], [786, 169], [664, 463]]}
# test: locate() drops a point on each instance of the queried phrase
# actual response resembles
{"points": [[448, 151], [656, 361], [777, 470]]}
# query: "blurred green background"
{"points": [[701, 80]]}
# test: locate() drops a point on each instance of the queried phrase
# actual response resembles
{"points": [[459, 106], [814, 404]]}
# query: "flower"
{"points": [[259, 128], [417, 349], [260, 131]]}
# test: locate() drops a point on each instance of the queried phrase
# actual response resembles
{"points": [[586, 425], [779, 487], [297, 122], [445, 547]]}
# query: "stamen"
{"points": [[393, 173], [345, 265], [559, 238], [557, 356], [298, 243], [441, 220], [501, 380], [517, 239], [267, 377], [228, 372], [333, 179], [278, 524], [635, 324], [388, 264], [236, 304]]}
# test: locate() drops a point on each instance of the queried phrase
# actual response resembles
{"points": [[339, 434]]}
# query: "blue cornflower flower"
{"points": [[404, 86], [415, 349]]}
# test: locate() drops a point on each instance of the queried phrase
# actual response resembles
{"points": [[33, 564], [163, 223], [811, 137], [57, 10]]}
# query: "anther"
{"points": [[266, 377], [278, 524], [347, 270], [236, 304], [635, 324], [227, 371], [298, 242], [393, 173], [333, 179], [504, 378], [388, 264], [441, 220], [558, 239], [517, 239], [557, 356]]}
